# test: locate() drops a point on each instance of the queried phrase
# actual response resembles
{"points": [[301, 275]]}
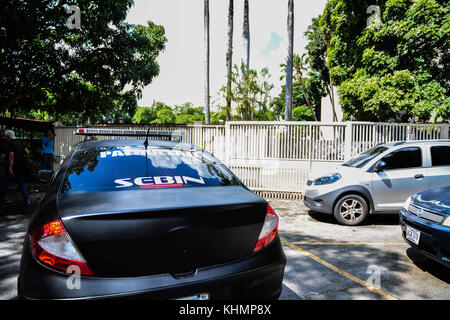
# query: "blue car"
{"points": [[425, 223]]}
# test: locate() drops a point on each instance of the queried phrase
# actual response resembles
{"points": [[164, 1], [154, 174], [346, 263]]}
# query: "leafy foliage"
{"points": [[160, 113], [250, 90], [399, 70], [87, 72], [302, 113], [187, 113], [306, 92]]}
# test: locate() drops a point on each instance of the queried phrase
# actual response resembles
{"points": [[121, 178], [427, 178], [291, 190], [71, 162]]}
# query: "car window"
{"points": [[440, 155], [403, 158], [362, 159], [124, 168]]}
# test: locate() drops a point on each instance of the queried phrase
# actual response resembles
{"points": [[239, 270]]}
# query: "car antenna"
{"points": [[146, 138]]}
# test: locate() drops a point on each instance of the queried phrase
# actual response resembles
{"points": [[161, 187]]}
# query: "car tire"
{"points": [[351, 210]]}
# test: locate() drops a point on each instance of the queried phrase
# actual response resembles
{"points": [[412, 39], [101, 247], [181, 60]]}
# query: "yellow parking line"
{"points": [[350, 243], [339, 271]]}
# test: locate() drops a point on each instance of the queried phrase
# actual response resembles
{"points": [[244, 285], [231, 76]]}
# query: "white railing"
{"points": [[276, 158], [366, 135], [210, 138]]}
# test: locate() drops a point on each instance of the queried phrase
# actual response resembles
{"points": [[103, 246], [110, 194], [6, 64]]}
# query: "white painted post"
{"points": [[444, 131], [408, 132], [228, 147], [310, 147], [348, 141]]}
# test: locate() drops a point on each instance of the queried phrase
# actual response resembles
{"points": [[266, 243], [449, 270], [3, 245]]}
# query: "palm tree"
{"points": [[246, 34], [246, 63], [289, 62], [206, 40], [299, 67], [229, 57]]}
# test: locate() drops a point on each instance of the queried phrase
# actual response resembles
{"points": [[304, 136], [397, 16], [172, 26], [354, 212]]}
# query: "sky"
{"points": [[181, 77]]}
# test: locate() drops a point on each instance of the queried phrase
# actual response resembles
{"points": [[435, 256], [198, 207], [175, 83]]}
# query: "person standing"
{"points": [[48, 154], [14, 165]]}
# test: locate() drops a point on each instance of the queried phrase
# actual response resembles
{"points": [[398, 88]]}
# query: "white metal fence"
{"points": [[275, 158]]}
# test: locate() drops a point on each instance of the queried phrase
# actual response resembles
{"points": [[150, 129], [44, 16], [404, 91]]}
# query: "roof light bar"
{"points": [[172, 135]]}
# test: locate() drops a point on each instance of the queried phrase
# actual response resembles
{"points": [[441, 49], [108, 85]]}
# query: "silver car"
{"points": [[379, 180]]}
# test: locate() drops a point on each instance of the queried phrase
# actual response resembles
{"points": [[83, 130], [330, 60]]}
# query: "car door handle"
{"points": [[418, 176]]}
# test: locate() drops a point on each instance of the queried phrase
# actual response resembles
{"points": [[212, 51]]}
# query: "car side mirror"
{"points": [[380, 166]]}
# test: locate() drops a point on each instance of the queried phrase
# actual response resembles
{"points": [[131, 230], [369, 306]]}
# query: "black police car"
{"points": [[159, 220], [425, 223]]}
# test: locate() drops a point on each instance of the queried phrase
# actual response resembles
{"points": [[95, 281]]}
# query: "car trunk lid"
{"points": [[175, 230]]}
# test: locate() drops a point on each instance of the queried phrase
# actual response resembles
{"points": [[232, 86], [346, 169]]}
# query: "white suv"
{"points": [[379, 180]]}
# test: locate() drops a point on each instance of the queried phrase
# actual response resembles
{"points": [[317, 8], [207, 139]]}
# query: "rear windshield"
{"points": [[128, 167]]}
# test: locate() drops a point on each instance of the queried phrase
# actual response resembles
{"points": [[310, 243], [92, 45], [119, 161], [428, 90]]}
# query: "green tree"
{"points": [[220, 117], [306, 90], [317, 48], [144, 115], [187, 113], [148, 115], [251, 91], [164, 116], [86, 72], [302, 113], [397, 70]]}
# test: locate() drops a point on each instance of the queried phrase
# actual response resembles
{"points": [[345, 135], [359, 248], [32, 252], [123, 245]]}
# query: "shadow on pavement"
{"points": [[373, 219], [14, 218], [12, 233], [429, 265], [317, 281]]}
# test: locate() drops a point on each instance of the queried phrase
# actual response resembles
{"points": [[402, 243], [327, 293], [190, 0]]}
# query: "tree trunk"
{"points": [[332, 101], [289, 63], [246, 35], [246, 62], [230, 56], [331, 90], [206, 40]]}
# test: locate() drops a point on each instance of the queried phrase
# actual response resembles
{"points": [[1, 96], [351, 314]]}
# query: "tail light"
{"points": [[269, 229], [53, 247]]}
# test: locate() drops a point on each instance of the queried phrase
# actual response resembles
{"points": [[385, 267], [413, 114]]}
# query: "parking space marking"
{"points": [[350, 243], [339, 271]]}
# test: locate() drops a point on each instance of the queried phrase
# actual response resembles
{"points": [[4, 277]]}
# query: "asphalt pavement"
{"points": [[326, 261]]}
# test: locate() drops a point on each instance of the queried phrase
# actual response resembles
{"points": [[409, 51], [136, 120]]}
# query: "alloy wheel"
{"points": [[351, 210]]}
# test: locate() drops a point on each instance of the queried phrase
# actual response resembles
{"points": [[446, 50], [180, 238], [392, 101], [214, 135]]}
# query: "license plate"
{"points": [[412, 235], [200, 296]]}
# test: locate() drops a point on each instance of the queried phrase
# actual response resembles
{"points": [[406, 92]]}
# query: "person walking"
{"points": [[14, 166], [48, 154]]}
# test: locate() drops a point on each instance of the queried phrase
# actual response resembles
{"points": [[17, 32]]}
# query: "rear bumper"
{"points": [[259, 276], [434, 241]]}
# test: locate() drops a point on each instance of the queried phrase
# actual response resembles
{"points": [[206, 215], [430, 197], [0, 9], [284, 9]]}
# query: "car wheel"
{"points": [[351, 210]]}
